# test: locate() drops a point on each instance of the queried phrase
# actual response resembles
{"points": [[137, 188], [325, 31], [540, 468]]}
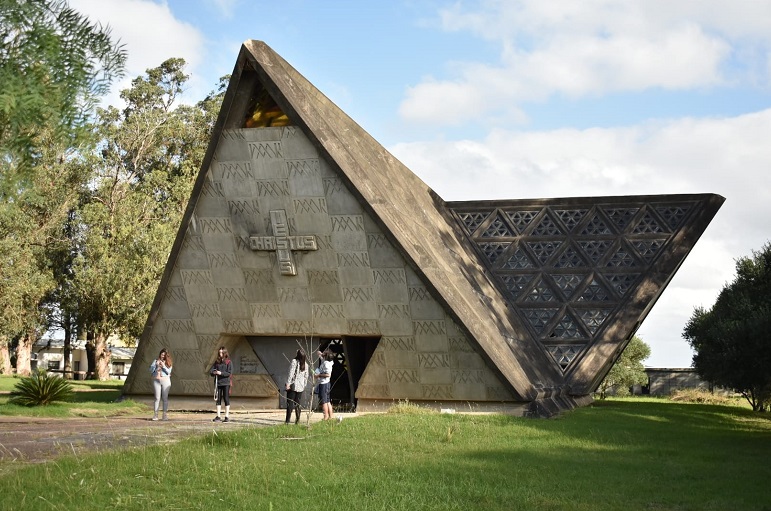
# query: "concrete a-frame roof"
{"points": [[495, 266], [413, 214]]}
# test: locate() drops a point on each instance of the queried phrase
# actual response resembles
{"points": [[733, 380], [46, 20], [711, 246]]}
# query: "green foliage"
{"points": [[628, 369], [41, 389], [731, 340], [615, 455], [407, 408], [54, 64], [144, 171]]}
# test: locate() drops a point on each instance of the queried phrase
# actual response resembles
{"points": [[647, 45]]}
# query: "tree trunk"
{"points": [[91, 359], [102, 357], [67, 354], [5, 356], [24, 353]]}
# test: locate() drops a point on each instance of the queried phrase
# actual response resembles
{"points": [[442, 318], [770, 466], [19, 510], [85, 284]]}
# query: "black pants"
{"points": [[223, 394], [293, 403]]}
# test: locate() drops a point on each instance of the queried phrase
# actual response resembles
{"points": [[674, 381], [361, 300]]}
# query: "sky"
{"points": [[515, 99]]}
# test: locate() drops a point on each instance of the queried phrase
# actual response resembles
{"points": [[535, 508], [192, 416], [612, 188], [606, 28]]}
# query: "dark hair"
{"points": [[300, 357], [328, 355], [224, 357]]}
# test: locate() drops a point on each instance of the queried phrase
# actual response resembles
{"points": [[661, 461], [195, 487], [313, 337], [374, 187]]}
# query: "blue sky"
{"points": [[506, 99]]}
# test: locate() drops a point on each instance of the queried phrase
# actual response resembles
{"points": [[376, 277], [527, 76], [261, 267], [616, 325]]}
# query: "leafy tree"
{"points": [[628, 369], [54, 65], [144, 169], [731, 340]]}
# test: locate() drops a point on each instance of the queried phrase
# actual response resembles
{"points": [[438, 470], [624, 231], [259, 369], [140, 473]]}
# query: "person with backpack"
{"points": [[221, 370]]}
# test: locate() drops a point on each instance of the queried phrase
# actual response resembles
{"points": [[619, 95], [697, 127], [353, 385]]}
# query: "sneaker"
{"points": [[165, 417], [155, 417], [216, 419], [225, 420]]}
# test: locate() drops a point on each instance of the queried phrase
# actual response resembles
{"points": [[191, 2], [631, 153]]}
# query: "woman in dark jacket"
{"points": [[221, 371]]}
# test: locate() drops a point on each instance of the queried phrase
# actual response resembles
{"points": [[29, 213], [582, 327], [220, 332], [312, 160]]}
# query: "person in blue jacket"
{"points": [[222, 371]]}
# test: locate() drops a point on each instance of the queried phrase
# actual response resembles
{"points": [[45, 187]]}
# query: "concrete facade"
{"points": [[307, 232]]}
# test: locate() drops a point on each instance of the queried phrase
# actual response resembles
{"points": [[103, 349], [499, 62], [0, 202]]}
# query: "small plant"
{"points": [[41, 389], [405, 407]]}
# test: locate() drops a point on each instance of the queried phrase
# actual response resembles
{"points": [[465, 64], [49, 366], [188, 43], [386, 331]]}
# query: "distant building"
{"points": [[662, 381], [48, 354]]}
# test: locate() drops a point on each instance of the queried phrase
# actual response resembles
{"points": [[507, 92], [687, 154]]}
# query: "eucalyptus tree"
{"points": [[731, 340], [144, 169], [54, 65]]}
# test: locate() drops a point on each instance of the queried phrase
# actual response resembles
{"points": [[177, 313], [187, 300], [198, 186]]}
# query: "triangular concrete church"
{"points": [[302, 227]]}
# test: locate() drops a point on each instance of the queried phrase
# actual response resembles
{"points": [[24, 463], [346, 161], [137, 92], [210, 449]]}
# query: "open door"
{"points": [[352, 354]]}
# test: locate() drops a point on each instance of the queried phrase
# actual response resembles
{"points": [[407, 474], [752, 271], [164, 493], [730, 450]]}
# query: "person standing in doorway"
{"points": [[161, 371], [324, 376], [295, 385], [221, 371]]}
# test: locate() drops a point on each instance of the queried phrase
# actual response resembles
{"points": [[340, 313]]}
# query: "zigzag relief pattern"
{"points": [[437, 392], [196, 387], [207, 343], [333, 186], [176, 294], [259, 277], [302, 168], [460, 344], [373, 392], [402, 376], [238, 326], [566, 270], [398, 343], [363, 327], [265, 150], [358, 294], [266, 310], [204, 310], [433, 360], [387, 276], [297, 327], [464, 377], [393, 310], [311, 205], [233, 171], [328, 310], [347, 223]]}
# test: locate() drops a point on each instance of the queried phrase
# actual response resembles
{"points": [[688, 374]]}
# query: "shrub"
{"points": [[698, 396], [41, 389], [405, 407]]}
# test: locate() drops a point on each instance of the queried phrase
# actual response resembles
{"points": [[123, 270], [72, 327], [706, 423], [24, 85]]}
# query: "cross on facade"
{"points": [[282, 243]]}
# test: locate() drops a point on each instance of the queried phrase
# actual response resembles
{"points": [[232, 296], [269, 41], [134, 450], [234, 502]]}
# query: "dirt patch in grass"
{"points": [[31, 439]]}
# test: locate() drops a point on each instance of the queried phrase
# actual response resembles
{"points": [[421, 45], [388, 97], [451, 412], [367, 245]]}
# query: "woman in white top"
{"points": [[295, 385]]}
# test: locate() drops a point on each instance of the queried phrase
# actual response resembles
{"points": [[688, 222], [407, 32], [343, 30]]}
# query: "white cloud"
{"points": [[728, 156], [151, 35], [591, 48]]}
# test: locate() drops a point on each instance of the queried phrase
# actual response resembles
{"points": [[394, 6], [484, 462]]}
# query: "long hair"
{"points": [[300, 357], [168, 356], [224, 357]]}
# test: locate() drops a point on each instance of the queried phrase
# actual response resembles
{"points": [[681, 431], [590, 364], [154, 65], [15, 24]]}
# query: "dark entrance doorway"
{"points": [[352, 354]]}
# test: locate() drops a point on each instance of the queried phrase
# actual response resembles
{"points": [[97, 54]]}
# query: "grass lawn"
{"points": [[91, 399], [614, 455]]}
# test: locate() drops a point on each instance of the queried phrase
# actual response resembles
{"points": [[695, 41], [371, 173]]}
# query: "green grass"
{"points": [[91, 399], [613, 455]]}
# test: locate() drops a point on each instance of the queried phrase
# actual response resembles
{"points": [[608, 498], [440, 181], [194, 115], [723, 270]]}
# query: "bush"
{"points": [[41, 389], [698, 396]]}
